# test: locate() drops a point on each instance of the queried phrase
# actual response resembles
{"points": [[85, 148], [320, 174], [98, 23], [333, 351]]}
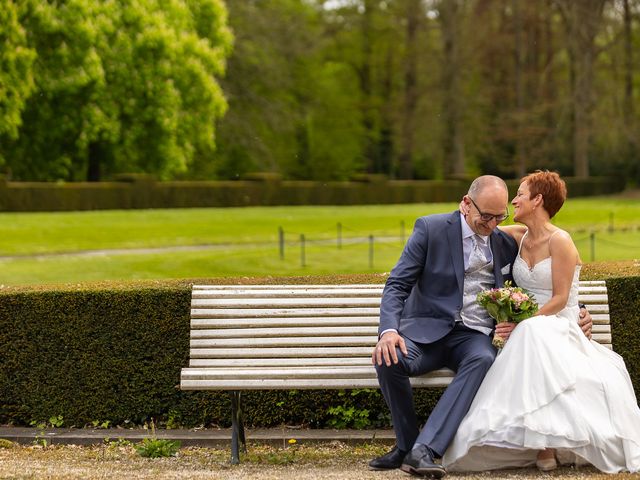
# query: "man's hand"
{"points": [[504, 329], [585, 322], [386, 349]]}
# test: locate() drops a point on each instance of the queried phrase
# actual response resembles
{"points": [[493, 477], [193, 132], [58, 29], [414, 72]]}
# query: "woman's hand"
{"points": [[586, 322], [504, 329]]}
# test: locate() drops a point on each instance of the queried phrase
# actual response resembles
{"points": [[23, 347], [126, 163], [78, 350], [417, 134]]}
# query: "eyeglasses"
{"points": [[487, 217]]}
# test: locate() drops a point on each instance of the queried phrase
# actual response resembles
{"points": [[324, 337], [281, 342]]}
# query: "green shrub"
{"points": [[157, 448], [114, 353], [142, 191]]}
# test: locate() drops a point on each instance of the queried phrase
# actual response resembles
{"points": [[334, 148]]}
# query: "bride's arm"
{"points": [[564, 258], [515, 231]]}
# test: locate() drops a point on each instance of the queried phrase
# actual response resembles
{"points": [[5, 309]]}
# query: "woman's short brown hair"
{"points": [[550, 186]]}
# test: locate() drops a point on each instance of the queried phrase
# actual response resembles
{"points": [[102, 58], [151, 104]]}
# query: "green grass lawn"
{"points": [[244, 241]]}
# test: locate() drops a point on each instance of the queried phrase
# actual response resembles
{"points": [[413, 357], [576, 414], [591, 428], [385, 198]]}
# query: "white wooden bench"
{"points": [[266, 337]]}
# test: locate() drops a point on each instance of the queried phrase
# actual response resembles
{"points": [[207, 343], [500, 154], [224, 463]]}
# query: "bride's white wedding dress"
{"points": [[550, 387]]}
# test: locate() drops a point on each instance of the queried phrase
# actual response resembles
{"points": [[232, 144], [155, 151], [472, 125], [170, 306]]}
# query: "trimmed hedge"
{"points": [[624, 308], [105, 352], [142, 191]]}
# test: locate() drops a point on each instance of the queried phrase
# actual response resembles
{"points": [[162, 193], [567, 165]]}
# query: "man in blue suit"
{"points": [[429, 319]]}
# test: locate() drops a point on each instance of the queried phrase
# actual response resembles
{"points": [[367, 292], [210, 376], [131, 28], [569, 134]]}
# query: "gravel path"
{"points": [[337, 461]]}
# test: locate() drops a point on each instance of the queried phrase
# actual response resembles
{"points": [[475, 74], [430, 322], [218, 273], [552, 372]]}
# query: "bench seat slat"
{"points": [[290, 372], [317, 384]]}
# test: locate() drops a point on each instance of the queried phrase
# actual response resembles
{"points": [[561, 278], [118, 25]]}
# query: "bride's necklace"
{"points": [[530, 244]]}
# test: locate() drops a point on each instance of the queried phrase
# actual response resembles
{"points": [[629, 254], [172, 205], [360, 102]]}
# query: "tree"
{"points": [[583, 20], [293, 107], [451, 12], [121, 86], [414, 16], [16, 70]]}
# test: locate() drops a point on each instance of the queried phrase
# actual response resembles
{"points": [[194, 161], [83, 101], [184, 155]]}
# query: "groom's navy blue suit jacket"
{"points": [[423, 295]]}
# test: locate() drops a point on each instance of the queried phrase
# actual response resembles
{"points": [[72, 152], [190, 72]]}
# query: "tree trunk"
{"points": [[520, 160], [96, 157], [452, 107], [405, 162], [628, 111], [583, 19], [386, 139], [366, 86]]}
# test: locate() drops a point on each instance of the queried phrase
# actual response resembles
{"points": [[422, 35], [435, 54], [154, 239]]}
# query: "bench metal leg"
{"points": [[237, 428]]}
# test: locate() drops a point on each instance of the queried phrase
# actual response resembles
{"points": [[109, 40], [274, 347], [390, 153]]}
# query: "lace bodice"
{"points": [[538, 280]]}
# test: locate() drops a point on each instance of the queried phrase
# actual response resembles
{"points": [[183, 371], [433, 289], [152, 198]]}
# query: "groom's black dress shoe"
{"points": [[420, 463], [388, 461]]}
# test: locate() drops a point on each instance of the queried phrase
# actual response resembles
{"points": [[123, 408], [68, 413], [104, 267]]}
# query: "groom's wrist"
{"points": [[582, 305]]}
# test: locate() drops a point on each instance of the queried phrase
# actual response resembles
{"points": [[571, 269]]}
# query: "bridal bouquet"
{"points": [[507, 304]]}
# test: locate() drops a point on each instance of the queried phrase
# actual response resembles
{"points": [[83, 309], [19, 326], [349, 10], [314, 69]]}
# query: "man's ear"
{"points": [[465, 205]]}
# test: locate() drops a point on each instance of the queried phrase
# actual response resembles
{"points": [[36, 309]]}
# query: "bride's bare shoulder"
{"points": [[559, 236]]}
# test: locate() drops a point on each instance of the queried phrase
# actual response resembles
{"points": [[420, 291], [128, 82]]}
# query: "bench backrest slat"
{"points": [[289, 287], [277, 322], [282, 312]]}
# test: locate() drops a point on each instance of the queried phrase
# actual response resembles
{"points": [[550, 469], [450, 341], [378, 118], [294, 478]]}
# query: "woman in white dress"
{"points": [[552, 395]]}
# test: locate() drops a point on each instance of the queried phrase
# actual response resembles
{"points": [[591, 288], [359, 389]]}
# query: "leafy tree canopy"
{"points": [[16, 75], [121, 85]]}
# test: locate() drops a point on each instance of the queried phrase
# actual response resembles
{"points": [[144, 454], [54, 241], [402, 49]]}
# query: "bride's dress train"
{"points": [[550, 387]]}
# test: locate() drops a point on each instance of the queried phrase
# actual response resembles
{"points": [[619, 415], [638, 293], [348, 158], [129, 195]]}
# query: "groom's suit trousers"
{"points": [[467, 352]]}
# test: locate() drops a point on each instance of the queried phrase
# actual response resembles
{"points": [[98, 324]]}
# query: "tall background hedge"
{"points": [[115, 353], [142, 191]]}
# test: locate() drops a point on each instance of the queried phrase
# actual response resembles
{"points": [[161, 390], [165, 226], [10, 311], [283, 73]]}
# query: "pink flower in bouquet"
{"points": [[507, 304]]}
